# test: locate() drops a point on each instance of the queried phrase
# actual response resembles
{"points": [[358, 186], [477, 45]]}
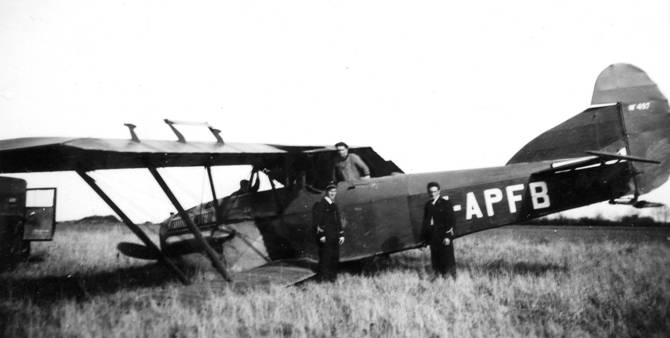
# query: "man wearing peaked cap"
{"points": [[438, 231], [329, 233]]}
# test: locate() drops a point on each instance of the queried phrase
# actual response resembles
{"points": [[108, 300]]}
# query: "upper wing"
{"points": [[60, 154], [57, 154]]}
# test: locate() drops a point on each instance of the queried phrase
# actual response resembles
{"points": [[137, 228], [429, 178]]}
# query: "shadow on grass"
{"points": [[421, 264], [82, 286], [8, 266], [500, 266], [386, 263]]}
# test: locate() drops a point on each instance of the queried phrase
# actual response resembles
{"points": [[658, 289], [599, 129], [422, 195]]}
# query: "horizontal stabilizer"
{"points": [[639, 204], [596, 157], [647, 204], [138, 251], [611, 156]]}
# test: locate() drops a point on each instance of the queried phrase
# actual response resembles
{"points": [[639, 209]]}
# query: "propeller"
{"points": [[138, 251]]}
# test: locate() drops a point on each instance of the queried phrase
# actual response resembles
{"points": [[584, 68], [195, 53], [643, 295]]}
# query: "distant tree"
{"points": [[628, 220], [662, 214]]}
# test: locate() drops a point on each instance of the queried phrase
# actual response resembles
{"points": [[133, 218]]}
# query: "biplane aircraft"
{"points": [[614, 151]]}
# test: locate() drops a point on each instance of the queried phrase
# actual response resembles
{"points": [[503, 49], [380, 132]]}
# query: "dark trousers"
{"points": [[329, 258], [442, 258]]}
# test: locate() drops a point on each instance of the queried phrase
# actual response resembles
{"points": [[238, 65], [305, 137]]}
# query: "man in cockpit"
{"points": [[245, 187], [348, 166]]}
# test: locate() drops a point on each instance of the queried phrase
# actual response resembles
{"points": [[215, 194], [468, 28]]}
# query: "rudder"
{"points": [[646, 119]]}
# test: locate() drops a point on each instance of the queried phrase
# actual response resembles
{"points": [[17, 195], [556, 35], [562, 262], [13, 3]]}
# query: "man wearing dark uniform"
{"points": [[329, 233], [438, 231]]}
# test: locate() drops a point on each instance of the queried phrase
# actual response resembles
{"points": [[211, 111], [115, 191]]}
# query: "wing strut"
{"points": [[213, 257], [133, 227], [215, 202]]}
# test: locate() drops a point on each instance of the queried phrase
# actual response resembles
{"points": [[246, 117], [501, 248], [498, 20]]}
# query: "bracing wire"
{"points": [[110, 185], [177, 184]]}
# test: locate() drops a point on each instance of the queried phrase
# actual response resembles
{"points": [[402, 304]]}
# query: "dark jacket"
{"points": [[443, 221], [326, 221]]}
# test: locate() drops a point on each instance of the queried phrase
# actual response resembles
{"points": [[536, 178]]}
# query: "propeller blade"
{"points": [[135, 250]]}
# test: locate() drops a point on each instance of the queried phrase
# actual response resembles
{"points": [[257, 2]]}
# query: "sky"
{"points": [[431, 85]]}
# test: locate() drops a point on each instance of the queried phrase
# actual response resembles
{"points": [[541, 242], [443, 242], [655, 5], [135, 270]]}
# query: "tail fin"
{"points": [[625, 83], [632, 114]]}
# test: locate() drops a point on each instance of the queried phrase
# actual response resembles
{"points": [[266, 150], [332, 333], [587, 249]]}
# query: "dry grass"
{"points": [[511, 282]]}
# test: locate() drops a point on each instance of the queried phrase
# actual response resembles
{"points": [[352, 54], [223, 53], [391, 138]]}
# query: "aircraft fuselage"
{"points": [[384, 215]]}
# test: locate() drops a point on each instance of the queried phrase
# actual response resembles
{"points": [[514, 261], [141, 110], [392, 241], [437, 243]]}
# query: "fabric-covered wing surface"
{"points": [[59, 154], [39, 154]]}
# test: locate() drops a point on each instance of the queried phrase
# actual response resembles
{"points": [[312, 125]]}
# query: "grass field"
{"points": [[513, 281]]}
